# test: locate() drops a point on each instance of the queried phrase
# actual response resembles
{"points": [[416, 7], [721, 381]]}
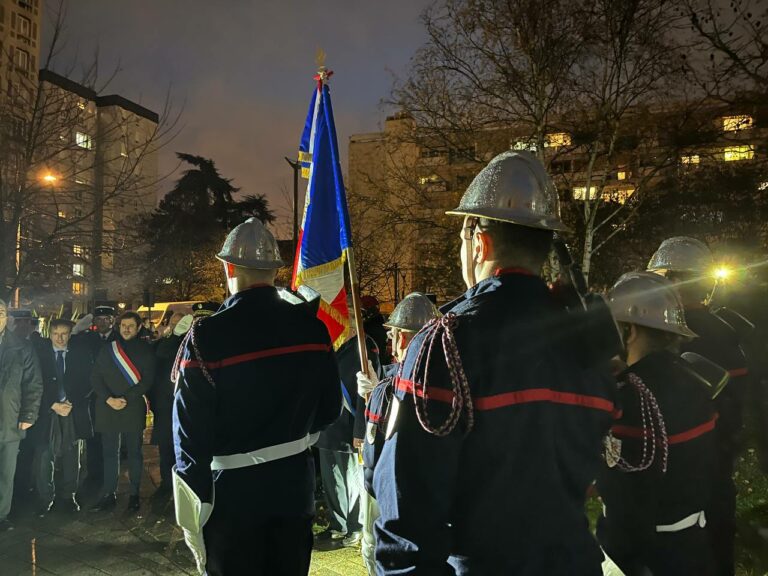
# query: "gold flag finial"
{"points": [[320, 58]]}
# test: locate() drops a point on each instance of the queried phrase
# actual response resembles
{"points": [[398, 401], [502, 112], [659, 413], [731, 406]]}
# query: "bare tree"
{"points": [[76, 170]]}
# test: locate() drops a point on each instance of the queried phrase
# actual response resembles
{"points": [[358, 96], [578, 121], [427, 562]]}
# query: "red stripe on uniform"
{"points": [[738, 372], [372, 416], [680, 438], [512, 398], [693, 432], [283, 351]]}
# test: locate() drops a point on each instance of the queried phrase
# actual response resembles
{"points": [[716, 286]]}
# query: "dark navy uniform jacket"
{"points": [[275, 381], [376, 412], [637, 502], [507, 497], [719, 343]]}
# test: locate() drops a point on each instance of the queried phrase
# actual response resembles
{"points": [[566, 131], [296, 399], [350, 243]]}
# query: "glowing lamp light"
{"points": [[722, 273], [49, 178]]}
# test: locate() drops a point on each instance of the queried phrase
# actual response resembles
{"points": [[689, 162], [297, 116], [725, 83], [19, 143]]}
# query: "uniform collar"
{"points": [[251, 293]]}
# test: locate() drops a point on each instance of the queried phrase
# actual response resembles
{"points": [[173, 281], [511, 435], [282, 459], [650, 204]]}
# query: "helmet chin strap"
{"points": [[469, 259]]}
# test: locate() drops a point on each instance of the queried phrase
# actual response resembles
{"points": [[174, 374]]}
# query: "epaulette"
{"points": [[712, 375], [738, 323]]}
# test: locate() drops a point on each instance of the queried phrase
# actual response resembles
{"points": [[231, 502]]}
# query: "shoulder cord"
{"points": [[190, 337], [654, 430], [462, 398]]}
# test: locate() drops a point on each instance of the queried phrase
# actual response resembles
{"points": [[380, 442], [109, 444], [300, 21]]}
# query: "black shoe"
{"points": [[69, 505], [133, 503], [107, 503], [45, 508], [5, 526]]}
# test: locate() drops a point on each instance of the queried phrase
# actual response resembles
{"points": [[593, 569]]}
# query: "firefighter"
{"points": [[689, 264], [657, 478], [495, 429], [256, 382], [408, 317]]}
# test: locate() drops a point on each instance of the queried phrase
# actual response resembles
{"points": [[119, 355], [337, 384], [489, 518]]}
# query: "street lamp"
{"points": [[50, 179], [296, 166]]}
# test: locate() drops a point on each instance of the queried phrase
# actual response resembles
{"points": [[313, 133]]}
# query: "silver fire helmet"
{"points": [[412, 313], [647, 299], [514, 187], [681, 254], [251, 245]]}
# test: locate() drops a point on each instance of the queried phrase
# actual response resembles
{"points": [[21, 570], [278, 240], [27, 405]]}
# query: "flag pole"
{"points": [[362, 350]]}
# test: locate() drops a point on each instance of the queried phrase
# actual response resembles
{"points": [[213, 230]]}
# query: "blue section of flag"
{"points": [[326, 232], [306, 135]]}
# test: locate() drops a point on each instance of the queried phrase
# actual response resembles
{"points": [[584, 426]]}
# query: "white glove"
{"points": [[366, 384], [196, 545]]}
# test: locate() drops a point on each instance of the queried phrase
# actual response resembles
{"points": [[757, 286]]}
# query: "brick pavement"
{"points": [[120, 543]]}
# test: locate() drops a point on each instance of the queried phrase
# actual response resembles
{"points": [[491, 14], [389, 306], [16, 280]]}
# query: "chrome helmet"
{"points": [[650, 300], [251, 245], [681, 254], [412, 313], [514, 187]]}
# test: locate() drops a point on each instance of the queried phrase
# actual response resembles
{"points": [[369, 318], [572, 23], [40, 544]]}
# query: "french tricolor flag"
{"points": [[324, 237]]}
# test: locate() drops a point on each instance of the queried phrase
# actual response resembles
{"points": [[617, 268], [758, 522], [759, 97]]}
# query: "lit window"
{"points": [[620, 195], [62, 214], [735, 153], [78, 288], [621, 175], [580, 193], [558, 139], [524, 145], [78, 269], [690, 159], [81, 104], [762, 186], [429, 179], [77, 250], [83, 140], [21, 59], [734, 123]]}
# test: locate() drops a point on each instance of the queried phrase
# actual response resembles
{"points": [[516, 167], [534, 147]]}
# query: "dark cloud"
{"points": [[243, 69]]}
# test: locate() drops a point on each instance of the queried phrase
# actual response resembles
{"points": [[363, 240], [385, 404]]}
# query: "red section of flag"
{"points": [[330, 315]]}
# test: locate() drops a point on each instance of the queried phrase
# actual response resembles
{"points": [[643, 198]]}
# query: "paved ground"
{"points": [[120, 543]]}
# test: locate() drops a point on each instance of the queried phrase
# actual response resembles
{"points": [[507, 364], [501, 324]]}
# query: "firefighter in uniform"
{"points": [[496, 424], [689, 264], [408, 317], [256, 382], [657, 478]]}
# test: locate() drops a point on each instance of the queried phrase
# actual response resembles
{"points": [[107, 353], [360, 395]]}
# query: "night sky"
{"points": [[243, 70]]}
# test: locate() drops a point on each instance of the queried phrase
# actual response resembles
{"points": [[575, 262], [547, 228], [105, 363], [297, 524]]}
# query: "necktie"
{"points": [[60, 374]]}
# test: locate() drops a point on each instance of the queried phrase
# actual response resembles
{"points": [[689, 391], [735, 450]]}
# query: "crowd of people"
{"points": [[468, 444]]}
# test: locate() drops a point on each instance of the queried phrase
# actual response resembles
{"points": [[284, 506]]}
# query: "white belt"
{"points": [[687, 522], [263, 455]]}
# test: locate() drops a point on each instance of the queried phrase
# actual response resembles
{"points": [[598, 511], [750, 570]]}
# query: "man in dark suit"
{"points": [[64, 419]]}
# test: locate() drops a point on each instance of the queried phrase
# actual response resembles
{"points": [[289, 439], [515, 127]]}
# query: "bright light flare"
{"points": [[722, 273], [50, 178]]}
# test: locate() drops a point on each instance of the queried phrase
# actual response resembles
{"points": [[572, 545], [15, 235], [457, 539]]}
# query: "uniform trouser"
{"points": [[45, 466], [238, 543], [9, 452], [684, 552], [368, 544], [110, 442], [721, 524], [94, 459], [342, 477]]}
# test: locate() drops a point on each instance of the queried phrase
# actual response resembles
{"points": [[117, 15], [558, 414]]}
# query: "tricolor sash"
{"points": [[124, 364]]}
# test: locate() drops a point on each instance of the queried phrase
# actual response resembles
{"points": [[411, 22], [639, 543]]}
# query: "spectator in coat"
{"points": [[64, 419], [123, 373], [20, 390]]}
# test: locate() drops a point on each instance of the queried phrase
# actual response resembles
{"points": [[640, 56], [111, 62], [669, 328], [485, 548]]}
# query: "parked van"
{"points": [[162, 311]]}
